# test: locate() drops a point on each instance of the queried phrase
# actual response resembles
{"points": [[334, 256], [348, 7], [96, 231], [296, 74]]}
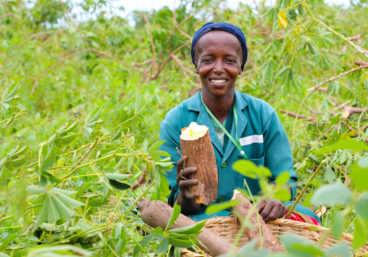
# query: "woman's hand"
{"points": [[186, 198], [271, 209]]}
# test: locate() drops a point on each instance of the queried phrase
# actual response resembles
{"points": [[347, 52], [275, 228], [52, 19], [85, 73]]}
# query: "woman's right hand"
{"points": [[184, 179]]}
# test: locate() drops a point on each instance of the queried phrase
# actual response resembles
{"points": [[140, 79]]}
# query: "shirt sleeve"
{"points": [[171, 135], [278, 155]]}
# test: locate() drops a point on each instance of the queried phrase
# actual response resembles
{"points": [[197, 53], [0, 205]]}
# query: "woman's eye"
{"points": [[206, 60], [230, 61]]}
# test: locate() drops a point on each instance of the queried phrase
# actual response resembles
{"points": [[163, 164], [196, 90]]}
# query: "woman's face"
{"points": [[218, 58]]}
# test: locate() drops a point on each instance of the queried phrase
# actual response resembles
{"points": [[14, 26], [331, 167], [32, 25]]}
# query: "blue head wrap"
{"points": [[210, 26]]}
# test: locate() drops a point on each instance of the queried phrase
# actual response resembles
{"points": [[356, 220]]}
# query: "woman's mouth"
{"points": [[218, 81]]}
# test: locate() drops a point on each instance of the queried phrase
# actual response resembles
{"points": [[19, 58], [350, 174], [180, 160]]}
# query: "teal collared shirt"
{"points": [[261, 135]]}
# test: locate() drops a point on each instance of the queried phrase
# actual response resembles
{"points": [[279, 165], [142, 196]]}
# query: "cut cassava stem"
{"points": [[264, 233], [200, 154], [157, 214]]}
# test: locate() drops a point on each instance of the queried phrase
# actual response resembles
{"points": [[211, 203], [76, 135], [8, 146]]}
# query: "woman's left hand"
{"points": [[271, 209]]}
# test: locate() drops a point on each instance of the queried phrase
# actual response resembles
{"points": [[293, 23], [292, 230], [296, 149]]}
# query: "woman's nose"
{"points": [[219, 67]]}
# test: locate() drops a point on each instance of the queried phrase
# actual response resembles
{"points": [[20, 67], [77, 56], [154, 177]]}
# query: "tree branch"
{"points": [[298, 116], [317, 87]]}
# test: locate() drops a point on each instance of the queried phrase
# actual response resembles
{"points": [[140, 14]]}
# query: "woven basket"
{"points": [[228, 227]]}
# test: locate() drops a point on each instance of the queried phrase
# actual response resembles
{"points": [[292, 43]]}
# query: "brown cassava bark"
{"points": [[157, 213], [268, 240], [200, 154]]}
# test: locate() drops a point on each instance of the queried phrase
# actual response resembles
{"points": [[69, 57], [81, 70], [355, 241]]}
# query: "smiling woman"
{"points": [[240, 127]]}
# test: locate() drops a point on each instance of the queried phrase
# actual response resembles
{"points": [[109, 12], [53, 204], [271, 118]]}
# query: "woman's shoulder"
{"points": [[181, 111], [255, 104]]}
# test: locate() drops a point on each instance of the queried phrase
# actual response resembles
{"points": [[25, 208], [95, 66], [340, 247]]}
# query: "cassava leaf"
{"points": [[330, 195], [216, 207], [174, 215]]}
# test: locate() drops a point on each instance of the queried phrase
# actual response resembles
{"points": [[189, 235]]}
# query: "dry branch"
{"points": [[140, 181], [298, 116], [157, 214], [179, 62], [356, 38], [316, 87], [361, 63], [143, 63], [85, 155], [347, 111], [153, 77], [246, 208]]}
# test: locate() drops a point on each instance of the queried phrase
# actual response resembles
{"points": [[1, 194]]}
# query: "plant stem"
{"points": [[305, 188]]}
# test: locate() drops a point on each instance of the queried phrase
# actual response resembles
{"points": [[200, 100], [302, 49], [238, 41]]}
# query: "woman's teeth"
{"points": [[218, 80]]}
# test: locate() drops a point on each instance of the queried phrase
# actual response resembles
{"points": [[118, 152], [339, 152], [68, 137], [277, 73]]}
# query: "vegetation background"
{"points": [[81, 104]]}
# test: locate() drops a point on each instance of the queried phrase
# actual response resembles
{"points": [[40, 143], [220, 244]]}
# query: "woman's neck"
{"points": [[219, 106]]}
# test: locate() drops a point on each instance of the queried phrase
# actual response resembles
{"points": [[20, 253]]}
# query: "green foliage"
{"points": [[331, 195], [58, 251], [81, 103]]}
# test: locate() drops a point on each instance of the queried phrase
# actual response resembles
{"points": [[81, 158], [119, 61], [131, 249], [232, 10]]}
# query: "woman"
{"points": [[219, 53]]}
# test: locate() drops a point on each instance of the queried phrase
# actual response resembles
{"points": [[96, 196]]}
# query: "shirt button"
{"points": [[224, 165]]}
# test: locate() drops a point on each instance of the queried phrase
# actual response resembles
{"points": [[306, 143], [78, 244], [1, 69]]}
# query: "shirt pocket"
{"points": [[258, 161], [255, 152]]}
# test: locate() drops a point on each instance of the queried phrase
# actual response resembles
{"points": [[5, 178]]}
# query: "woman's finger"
{"points": [[186, 172], [261, 206], [184, 184], [266, 210], [190, 195]]}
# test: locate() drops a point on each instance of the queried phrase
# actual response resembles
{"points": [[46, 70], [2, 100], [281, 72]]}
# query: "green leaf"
{"points": [[360, 234], [192, 229], [182, 243], [330, 195], [58, 251], [249, 169], [337, 226], [282, 194], [174, 215], [349, 144], [158, 232], [35, 189], [118, 184], [216, 207], [248, 248], [163, 246], [300, 245], [117, 135], [142, 243], [56, 205], [361, 206], [341, 249], [283, 178], [359, 174]]}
